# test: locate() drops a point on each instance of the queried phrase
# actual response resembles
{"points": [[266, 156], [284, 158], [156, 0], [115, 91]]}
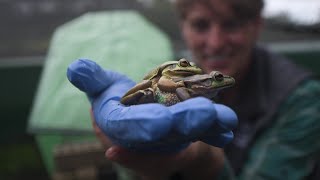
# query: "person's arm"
{"points": [[207, 163], [288, 149]]}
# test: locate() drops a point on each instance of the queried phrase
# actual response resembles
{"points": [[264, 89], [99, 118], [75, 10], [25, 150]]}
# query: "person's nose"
{"points": [[216, 39]]}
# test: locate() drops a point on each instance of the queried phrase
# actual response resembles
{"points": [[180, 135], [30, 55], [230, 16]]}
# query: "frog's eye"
{"points": [[184, 63], [217, 76]]}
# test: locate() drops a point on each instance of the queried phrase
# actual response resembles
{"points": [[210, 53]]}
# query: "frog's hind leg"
{"points": [[140, 86], [139, 94], [139, 97]]}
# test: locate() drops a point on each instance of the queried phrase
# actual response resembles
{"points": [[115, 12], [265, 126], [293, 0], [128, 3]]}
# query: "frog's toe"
{"points": [[183, 94], [147, 96]]}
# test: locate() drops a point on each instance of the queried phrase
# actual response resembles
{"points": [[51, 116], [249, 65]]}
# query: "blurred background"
{"points": [[26, 30]]}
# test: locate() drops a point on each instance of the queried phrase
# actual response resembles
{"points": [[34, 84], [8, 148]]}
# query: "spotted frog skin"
{"points": [[176, 81]]}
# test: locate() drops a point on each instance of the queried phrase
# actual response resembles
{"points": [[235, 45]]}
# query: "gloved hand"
{"points": [[149, 127]]}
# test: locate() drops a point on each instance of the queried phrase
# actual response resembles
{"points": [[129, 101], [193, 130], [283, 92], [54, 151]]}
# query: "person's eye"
{"points": [[200, 25], [232, 25]]}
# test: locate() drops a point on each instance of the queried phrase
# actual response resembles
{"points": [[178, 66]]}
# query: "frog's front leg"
{"points": [[184, 93], [139, 94], [168, 85]]}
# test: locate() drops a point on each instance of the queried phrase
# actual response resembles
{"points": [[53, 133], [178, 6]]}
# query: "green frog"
{"points": [[176, 81]]}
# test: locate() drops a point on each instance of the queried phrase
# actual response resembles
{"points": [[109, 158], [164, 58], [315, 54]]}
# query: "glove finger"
{"points": [[193, 116], [90, 78], [219, 140], [221, 133], [226, 119], [133, 124]]}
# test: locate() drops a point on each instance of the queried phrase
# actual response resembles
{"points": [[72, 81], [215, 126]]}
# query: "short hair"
{"points": [[244, 9]]}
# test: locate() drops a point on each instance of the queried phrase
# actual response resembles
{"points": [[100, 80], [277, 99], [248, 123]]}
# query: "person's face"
{"points": [[218, 40]]}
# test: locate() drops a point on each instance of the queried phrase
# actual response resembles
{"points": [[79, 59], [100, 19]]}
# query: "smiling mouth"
{"points": [[216, 57]]}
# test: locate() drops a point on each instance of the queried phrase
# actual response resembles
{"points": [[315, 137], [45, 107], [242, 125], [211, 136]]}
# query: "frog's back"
{"points": [[157, 71]]}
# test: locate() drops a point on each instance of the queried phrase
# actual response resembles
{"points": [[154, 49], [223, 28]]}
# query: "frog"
{"points": [[173, 69], [205, 85], [143, 92], [176, 81]]}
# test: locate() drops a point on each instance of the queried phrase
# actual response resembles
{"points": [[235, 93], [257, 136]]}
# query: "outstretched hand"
{"points": [[149, 127], [140, 134]]}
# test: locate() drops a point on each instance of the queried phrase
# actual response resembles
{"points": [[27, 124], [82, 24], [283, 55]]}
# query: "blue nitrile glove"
{"points": [[153, 126]]}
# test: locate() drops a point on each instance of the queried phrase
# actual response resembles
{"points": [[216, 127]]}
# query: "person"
{"points": [[277, 105]]}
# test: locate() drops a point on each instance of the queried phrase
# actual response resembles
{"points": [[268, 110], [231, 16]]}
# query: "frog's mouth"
{"points": [[200, 87], [209, 86], [186, 73], [183, 73]]}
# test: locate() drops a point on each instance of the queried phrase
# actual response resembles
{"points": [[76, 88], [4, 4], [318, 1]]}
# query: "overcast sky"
{"points": [[305, 12]]}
